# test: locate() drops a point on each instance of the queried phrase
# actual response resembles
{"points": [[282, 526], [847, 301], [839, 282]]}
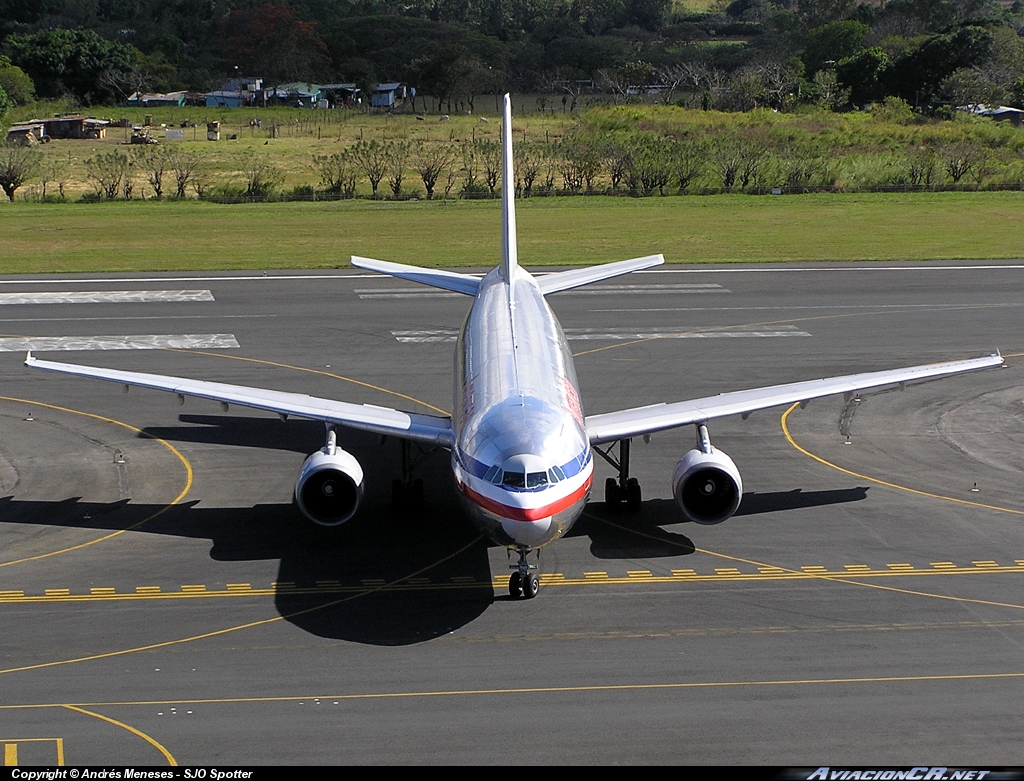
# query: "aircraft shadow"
{"points": [[383, 578], [616, 534], [300, 436]]}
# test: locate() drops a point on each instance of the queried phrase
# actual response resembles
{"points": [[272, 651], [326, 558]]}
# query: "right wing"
{"points": [[611, 426], [367, 417]]}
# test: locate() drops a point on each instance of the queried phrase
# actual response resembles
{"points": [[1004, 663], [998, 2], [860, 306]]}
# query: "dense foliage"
{"points": [[733, 56]]}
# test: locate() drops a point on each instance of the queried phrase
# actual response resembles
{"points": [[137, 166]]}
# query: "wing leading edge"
{"points": [[367, 417], [611, 426]]}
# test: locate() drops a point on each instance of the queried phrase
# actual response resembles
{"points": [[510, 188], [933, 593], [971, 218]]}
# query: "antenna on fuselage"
{"points": [[509, 253]]}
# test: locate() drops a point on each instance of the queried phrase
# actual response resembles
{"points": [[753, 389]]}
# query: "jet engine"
{"points": [[707, 486], [330, 486]]}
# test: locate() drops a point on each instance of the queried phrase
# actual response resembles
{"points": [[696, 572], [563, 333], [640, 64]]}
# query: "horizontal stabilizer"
{"points": [[567, 280], [446, 280]]}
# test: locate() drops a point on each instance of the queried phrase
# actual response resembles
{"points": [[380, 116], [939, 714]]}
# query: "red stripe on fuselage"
{"points": [[526, 513]]}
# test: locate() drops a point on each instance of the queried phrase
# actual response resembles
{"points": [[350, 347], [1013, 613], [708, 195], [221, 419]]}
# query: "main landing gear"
{"points": [[523, 584], [407, 493], [623, 490]]}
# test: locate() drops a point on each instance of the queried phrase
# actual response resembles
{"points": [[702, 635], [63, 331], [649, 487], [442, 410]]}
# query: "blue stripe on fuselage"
{"points": [[479, 469]]}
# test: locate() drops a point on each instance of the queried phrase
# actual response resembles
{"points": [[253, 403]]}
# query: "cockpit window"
{"points": [[493, 475], [514, 479], [535, 479], [555, 474]]}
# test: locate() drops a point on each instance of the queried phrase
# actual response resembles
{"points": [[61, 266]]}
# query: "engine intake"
{"points": [[330, 487], [707, 486]]}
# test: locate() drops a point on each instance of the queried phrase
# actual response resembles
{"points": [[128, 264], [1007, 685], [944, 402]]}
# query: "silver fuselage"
{"points": [[521, 459]]}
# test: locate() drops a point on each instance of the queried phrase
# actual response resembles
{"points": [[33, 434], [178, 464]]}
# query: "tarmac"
{"points": [[162, 600]]}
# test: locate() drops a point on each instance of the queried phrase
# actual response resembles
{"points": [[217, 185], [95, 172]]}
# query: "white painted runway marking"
{"points": [[131, 342], [590, 290], [822, 306], [824, 269], [137, 317], [444, 335], [105, 297]]}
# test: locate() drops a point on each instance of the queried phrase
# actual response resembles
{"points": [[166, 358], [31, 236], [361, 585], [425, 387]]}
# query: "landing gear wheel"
{"points": [[612, 494], [515, 585], [634, 496], [531, 585]]}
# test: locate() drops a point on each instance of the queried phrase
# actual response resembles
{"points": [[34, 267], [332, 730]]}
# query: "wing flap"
{"points": [[567, 280], [446, 280], [611, 426], [381, 420]]}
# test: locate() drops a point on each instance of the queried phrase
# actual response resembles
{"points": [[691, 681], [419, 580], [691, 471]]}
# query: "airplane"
{"points": [[522, 450]]}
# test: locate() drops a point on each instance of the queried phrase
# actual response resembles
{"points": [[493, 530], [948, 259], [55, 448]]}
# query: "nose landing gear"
{"points": [[523, 584]]}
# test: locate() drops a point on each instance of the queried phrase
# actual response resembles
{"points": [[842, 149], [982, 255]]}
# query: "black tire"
{"points": [[531, 585], [515, 585], [634, 496], [612, 494]]}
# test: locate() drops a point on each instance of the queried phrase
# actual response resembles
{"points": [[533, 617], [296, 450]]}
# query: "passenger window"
{"points": [[535, 479], [514, 480]]}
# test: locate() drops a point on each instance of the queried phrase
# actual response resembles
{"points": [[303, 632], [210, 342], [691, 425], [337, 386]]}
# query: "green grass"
{"points": [[192, 235]]}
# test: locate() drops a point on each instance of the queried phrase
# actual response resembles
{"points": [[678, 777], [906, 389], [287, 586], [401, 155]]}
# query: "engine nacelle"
{"points": [[330, 487], [707, 486]]}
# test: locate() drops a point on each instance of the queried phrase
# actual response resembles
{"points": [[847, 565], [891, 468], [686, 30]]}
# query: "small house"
{"points": [[155, 99], [342, 94], [298, 94], [389, 95]]}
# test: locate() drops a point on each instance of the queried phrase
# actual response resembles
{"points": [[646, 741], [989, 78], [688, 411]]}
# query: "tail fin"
{"points": [[509, 251]]}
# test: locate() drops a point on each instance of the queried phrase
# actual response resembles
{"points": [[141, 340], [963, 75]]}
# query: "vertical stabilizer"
{"points": [[509, 253]]}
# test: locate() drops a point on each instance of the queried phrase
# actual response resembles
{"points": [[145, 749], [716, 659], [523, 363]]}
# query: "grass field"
{"points": [[194, 235]]}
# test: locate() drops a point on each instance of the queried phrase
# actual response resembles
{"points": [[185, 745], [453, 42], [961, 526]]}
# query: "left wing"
{"points": [[368, 417], [611, 426]]}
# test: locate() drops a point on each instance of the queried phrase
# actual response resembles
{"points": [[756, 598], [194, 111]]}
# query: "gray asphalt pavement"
{"points": [[162, 600]]}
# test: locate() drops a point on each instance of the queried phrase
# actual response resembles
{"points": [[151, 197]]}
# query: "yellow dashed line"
{"points": [[721, 574]]}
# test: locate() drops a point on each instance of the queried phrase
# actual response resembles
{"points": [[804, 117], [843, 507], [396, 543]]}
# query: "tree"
{"points": [[5, 103], [397, 161], [430, 160], [155, 162], [961, 157], [864, 74], [185, 164], [443, 74], [833, 42], [261, 175], [337, 173], [108, 170], [372, 158], [18, 164], [826, 92], [271, 41], [63, 62], [16, 83], [917, 74]]}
